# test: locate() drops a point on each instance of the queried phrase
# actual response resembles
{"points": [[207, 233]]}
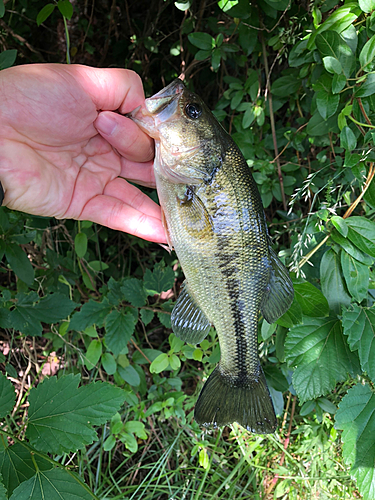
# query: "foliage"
{"points": [[294, 84]]}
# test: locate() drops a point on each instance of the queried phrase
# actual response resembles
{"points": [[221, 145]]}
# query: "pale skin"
{"points": [[65, 152]]}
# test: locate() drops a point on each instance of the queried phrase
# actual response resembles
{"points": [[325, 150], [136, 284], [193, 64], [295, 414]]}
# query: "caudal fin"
{"points": [[222, 402]]}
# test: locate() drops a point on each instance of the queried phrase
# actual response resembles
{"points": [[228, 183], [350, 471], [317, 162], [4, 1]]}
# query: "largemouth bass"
{"points": [[215, 221]]}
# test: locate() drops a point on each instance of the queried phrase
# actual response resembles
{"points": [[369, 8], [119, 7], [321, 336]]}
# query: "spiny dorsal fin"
{"points": [[189, 323], [279, 294]]}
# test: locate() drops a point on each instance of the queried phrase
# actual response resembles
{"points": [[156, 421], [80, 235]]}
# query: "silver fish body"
{"points": [[215, 221]]}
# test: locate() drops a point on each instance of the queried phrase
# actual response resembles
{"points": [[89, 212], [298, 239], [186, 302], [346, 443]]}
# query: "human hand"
{"points": [[53, 162]]}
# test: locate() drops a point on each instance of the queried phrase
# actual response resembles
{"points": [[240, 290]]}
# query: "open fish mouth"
{"points": [[158, 109]]}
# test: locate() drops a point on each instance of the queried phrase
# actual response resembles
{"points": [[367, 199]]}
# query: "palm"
{"points": [[53, 162]]}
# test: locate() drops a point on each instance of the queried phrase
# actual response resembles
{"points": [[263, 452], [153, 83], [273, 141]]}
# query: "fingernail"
{"points": [[105, 124]]}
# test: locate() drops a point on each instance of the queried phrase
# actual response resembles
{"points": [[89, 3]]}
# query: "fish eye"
{"points": [[193, 110]]}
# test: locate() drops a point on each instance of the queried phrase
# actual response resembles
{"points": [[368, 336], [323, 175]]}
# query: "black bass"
{"points": [[215, 221]]}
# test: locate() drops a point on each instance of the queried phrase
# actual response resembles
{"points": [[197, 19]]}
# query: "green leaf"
{"points": [[54, 307], [130, 375], [45, 13], [369, 196], [351, 249], [146, 316], [119, 327], [159, 280], [134, 292], [109, 363], [347, 139], [362, 234], [91, 313], [66, 8], [97, 265], [340, 225], [7, 58], [160, 363], [338, 83], [80, 244], [321, 356], [55, 484], [317, 126], [61, 416], [332, 65], [203, 41], [332, 283], [293, 315], [3, 491], [150, 353], [7, 396], [16, 466], [327, 103], [359, 325], [356, 276], [355, 417], [337, 55], [286, 86], [367, 88], [312, 301], [367, 56], [93, 353], [19, 263], [2, 9], [201, 55], [367, 5]]}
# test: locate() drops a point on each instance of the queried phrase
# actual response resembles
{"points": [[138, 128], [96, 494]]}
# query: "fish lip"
{"points": [[158, 102]]}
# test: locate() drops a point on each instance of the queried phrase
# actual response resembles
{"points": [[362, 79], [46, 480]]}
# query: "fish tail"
{"points": [[223, 401]]}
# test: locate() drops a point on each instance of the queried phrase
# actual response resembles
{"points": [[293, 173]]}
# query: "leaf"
{"points": [[351, 249], [119, 327], [332, 65], [7, 396], [293, 316], [61, 416], [356, 276], [327, 104], [317, 126], [332, 283], [91, 313], [134, 292], [146, 316], [3, 491], [23, 317], [16, 466], [338, 83], [160, 363], [109, 363], [337, 55], [286, 86], [356, 418], [159, 280], [19, 263], [150, 353], [359, 325], [7, 58], [367, 5], [347, 139], [44, 13], [369, 196], [362, 234], [367, 88], [129, 375], [54, 307], [340, 225], [2, 9], [93, 353], [97, 265], [55, 484], [367, 55], [321, 356], [203, 41], [80, 244], [312, 301], [66, 8]]}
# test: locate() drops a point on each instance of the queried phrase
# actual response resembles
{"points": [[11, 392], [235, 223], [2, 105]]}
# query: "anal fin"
{"points": [[189, 323], [279, 294]]}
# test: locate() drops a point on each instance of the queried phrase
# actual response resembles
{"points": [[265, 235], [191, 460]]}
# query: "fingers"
{"points": [[125, 136], [115, 214], [140, 173]]}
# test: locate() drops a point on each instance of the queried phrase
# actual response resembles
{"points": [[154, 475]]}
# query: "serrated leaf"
{"points": [[54, 307], [165, 319], [119, 327], [55, 484], [359, 325], [321, 356], [66, 8], [134, 292], [356, 418], [80, 244], [362, 234], [161, 279], [19, 263], [203, 41], [367, 55], [23, 317], [129, 374], [3, 491], [332, 282], [7, 58], [146, 316], [44, 13], [109, 363], [91, 313], [7, 396], [311, 300], [356, 276], [293, 315], [16, 466], [61, 415]]}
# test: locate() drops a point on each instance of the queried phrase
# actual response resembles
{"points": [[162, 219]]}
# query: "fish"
{"points": [[215, 221]]}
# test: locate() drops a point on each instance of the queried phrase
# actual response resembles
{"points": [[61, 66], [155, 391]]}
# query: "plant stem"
{"points": [[67, 41]]}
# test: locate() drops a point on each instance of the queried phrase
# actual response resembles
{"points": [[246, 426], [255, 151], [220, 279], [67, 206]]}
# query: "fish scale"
{"points": [[215, 221]]}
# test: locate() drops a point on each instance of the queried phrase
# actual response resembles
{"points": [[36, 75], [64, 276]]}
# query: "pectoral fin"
{"points": [[279, 293], [194, 216], [189, 323]]}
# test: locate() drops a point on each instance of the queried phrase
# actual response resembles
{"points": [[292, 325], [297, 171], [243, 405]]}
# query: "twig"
{"points": [[139, 350]]}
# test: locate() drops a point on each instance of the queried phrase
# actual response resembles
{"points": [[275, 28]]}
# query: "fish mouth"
{"points": [[158, 109]]}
